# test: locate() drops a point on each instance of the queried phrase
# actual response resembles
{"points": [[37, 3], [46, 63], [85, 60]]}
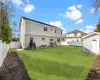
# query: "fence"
{"points": [[4, 48], [75, 43], [3, 51], [14, 45]]}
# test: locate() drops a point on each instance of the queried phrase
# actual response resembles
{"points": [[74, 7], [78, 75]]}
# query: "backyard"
{"points": [[61, 63]]}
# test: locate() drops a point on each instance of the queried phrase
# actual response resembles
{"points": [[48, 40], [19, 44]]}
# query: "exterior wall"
{"points": [[34, 28], [70, 35], [78, 34], [38, 40], [87, 43], [22, 33]]}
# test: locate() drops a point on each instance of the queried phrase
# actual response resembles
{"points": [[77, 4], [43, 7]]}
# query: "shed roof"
{"points": [[91, 34]]}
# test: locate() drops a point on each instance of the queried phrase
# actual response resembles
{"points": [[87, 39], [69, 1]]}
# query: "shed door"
{"points": [[95, 46]]}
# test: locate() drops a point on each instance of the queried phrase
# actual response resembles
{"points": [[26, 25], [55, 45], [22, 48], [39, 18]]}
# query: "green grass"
{"points": [[61, 63]]}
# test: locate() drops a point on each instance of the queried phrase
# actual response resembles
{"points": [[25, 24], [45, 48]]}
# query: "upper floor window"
{"points": [[45, 29], [61, 32], [75, 34], [55, 31]]}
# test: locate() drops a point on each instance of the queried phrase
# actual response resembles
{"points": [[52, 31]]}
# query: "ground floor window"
{"points": [[58, 40], [43, 39]]}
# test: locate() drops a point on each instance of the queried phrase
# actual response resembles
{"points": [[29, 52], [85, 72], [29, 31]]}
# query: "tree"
{"points": [[96, 4], [98, 27], [5, 29]]}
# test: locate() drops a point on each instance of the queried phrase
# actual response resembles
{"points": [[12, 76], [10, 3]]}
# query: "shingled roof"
{"points": [[38, 22], [75, 31]]}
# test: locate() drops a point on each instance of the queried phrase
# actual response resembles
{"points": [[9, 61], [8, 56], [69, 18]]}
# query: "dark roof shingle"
{"points": [[39, 22]]}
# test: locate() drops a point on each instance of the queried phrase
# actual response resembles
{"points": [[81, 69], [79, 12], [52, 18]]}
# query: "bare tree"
{"points": [[96, 4]]}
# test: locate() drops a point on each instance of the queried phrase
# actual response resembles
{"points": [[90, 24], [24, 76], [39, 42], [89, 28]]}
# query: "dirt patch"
{"points": [[94, 73], [13, 68]]}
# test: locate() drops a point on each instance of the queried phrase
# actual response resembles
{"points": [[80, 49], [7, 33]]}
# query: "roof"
{"points": [[38, 22], [91, 34], [75, 31]]}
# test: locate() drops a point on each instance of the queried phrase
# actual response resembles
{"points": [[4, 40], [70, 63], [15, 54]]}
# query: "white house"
{"points": [[41, 33], [73, 36], [91, 43]]}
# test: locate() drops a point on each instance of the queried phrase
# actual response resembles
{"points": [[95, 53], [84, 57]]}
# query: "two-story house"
{"points": [[74, 35], [41, 33]]}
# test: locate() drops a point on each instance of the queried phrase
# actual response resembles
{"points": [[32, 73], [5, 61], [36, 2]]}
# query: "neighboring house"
{"points": [[91, 43], [74, 35], [41, 33]]}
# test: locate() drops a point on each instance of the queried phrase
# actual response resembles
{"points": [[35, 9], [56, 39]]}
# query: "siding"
{"points": [[87, 43], [38, 40], [38, 29]]}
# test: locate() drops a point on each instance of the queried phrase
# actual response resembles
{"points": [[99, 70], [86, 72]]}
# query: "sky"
{"points": [[66, 14]]}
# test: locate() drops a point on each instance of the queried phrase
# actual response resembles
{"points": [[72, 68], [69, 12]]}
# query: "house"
{"points": [[41, 33], [74, 35], [91, 43]]}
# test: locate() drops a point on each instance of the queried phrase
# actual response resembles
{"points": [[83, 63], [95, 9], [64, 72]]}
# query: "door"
{"points": [[95, 46]]}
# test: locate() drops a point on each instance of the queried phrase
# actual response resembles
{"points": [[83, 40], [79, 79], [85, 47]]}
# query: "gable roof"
{"points": [[75, 31], [94, 33], [38, 22]]}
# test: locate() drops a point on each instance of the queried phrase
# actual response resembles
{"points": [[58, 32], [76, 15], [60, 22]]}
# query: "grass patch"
{"points": [[61, 63]]}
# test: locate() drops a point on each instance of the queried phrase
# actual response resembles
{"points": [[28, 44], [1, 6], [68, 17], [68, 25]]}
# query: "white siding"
{"points": [[34, 28], [71, 35], [38, 40], [78, 34], [22, 33], [87, 44]]}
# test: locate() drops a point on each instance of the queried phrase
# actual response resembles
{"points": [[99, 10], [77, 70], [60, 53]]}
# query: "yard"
{"points": [[61, 63]]}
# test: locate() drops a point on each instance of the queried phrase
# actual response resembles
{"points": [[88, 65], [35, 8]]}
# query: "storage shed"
{"points": [[91, 43]]}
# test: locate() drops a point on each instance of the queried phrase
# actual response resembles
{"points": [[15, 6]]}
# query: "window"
{"points": [[45, 29], [61, 32], [55, 31], [31, 38], [58, 40], [75, 34], [43, 39], [51, 39]]}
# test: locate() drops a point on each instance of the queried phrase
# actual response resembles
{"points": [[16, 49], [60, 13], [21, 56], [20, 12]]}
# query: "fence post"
{"points": [[1, 52]]}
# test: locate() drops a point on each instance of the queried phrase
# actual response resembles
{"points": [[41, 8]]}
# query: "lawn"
{"points": [[61, 63]]}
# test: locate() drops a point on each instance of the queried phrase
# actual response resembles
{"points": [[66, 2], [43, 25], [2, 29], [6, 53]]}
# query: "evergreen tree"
{"points": [[5, 30]]}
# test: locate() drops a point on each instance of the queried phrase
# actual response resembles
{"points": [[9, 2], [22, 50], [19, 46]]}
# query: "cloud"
{"points": [[72, 13], [79, 6], [17, 3], [79, 21], [29, 8], [58, 24], [92, 10], [88, 29]]}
